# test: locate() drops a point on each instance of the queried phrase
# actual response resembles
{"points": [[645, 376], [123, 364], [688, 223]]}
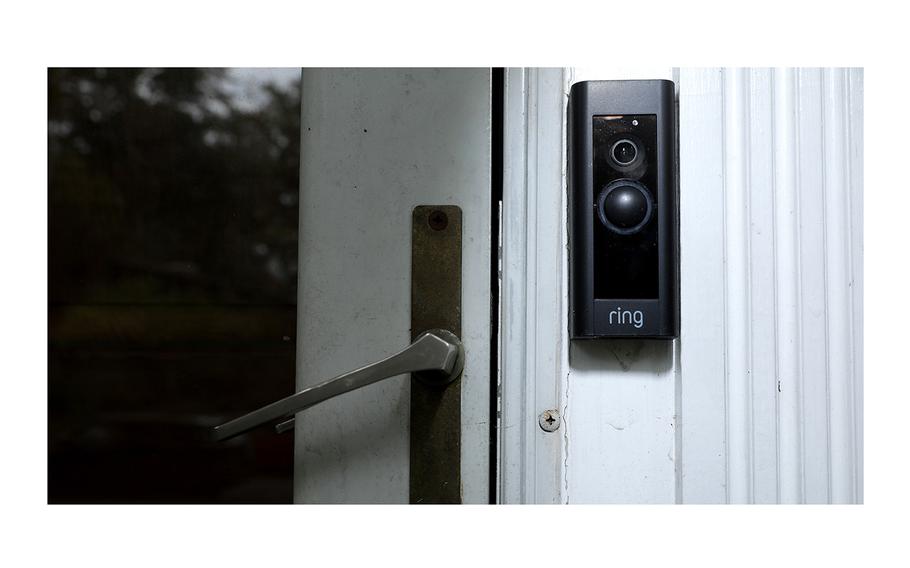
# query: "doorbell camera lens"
{"points": [[624, 206], [624, 152]]}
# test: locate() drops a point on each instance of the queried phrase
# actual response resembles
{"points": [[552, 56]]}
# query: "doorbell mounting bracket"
{"points": [[623, 210]]}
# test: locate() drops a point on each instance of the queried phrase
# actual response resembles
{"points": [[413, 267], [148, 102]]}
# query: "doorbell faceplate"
{"points": [[623, 210]]}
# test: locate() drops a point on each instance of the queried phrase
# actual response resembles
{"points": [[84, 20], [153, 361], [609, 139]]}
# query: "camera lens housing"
{"points": [[626, 153]]}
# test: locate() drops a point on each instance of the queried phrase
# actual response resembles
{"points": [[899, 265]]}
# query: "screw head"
{"points": [[438, 220], [549, 420]]}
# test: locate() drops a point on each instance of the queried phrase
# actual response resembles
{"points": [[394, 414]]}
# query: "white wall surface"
{"points": [[771, 235], [760, 399], [621, 410]]}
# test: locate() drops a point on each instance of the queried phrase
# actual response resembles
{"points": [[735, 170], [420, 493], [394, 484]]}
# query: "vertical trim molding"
{"points": [[702, 402], [533, 314]]}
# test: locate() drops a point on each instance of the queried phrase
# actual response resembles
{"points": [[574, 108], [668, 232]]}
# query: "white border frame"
{"points": [[533, 359]]}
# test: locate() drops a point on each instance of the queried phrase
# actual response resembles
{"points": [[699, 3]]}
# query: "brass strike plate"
{"points": [[435, 453]]}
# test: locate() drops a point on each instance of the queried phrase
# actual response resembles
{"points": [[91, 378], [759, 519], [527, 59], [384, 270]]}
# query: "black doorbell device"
{"points": [[623, 210]]}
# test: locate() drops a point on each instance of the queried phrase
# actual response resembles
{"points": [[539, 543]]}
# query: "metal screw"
{"points": [[438, 220], [549, 420]]}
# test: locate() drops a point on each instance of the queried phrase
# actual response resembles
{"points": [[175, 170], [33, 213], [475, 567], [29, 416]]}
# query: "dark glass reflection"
{"points": [[624, 148], [172, 281]]}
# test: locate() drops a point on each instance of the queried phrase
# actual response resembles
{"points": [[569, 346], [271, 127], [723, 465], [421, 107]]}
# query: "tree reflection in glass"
{"points": [[172, 280]]}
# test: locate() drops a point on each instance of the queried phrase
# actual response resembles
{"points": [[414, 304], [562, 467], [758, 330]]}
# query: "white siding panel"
{"points": [[785, 329], [738, 286], [838, 276], [787, 286], [763, 307], [855, 147], [814, 374], [702, 401]]}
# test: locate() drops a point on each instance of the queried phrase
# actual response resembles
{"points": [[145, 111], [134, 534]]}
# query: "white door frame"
{"points": [[533, 354]]}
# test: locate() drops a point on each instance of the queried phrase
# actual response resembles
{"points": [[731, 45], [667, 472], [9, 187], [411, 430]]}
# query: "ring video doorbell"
{"points": [[623, 214]]}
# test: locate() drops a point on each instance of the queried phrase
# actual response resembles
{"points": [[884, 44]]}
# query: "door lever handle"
{"points": [[436, 357]]}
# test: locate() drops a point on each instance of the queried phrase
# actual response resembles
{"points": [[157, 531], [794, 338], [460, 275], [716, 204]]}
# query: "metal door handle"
{"points": [[437, 357]]}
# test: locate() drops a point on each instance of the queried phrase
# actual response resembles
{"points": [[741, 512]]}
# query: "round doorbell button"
{"points": [[624, 206]]}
